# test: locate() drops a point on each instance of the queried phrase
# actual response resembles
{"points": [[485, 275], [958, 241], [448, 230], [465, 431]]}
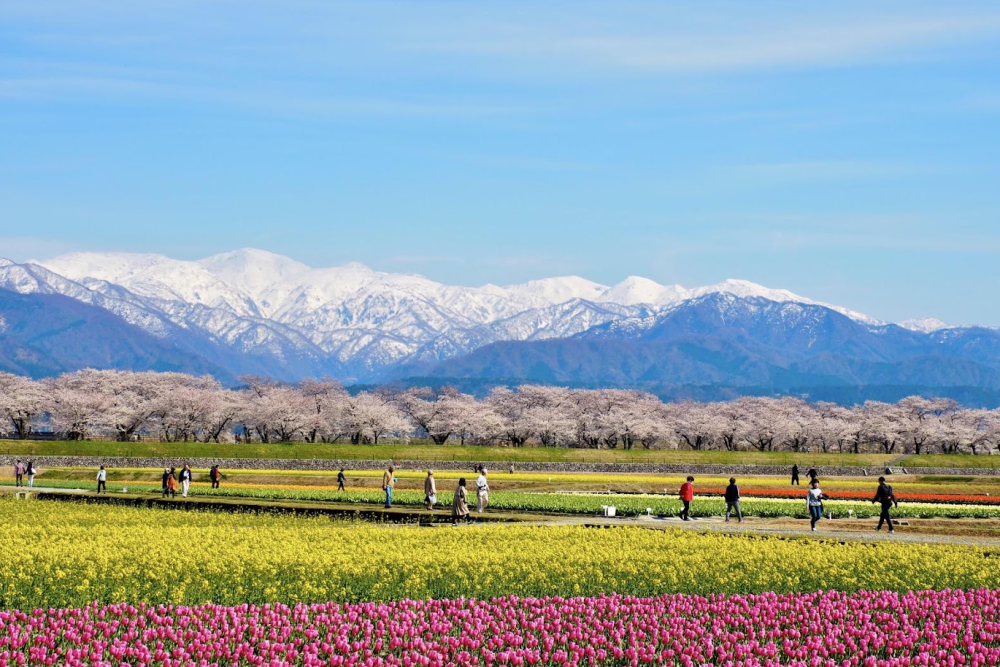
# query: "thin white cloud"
{"points": [[733, 40], [275, 100], [839, 170]]}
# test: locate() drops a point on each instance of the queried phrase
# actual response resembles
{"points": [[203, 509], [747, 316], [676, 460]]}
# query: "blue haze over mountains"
{"points": [[250, 312]]}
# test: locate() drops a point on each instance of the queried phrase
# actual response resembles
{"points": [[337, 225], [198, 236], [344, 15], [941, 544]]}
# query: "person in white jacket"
{"points": [[185, 480], [482, 490], [102, 478]]}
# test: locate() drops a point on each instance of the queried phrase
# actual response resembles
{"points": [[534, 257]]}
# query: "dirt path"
{"points": [[978, 533]]}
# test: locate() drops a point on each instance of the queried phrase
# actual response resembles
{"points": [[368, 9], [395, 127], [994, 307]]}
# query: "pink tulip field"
{"points": [[816, 629]]}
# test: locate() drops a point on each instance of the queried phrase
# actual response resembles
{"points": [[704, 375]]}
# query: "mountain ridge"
{"points": [[254, 311]]}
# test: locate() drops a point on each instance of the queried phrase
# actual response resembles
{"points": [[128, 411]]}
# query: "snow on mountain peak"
{"points": [[636, 290], [746, 289], [558, 290], [264, 284], [114, 267], [925, 324], [252, 271], [359, 315]]}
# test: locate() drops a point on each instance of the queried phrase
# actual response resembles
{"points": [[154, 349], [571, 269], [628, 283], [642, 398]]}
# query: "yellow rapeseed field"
{"points": [[62, 554]]}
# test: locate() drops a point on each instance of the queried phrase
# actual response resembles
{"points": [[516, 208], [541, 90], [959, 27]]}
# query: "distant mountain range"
{"points": [[251, 311]]}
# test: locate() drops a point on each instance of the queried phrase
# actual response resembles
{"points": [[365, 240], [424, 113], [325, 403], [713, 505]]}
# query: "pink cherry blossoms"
{"points": [[816, 629]]}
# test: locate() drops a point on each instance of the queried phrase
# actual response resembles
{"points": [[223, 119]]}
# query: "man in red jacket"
{"points": [[687, 495]]}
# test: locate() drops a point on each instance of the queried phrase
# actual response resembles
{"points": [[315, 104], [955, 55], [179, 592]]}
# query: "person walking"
{"points": [[185, 480], [172, 482], [388, 483], [733, 500], [460, 504], [686, 495], [166, 482], [30, 471], [430, 490], [215, 476], [482, 491], [814, 502], [886, 498], [19, 473], [102, 478], [813, 475], [795, 475], [341, 479]]}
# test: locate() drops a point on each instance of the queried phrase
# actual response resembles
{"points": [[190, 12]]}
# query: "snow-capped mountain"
{"points": [[351, 321], [925, 325]]}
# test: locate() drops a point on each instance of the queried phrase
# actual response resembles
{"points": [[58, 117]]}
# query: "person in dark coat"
{"points": [[795, 475], [886, 498], [215, 476], [166, 480], [813, 475], [341, 479], [733, 500]]}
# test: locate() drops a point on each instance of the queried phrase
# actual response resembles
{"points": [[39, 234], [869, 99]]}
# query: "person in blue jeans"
{"points": [[388, 482], [814, 501]]}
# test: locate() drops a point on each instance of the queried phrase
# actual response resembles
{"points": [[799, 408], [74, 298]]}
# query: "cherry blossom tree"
{"points": [[371, 417], [832, 426], [330, 403], [435, 414], [79, 405], [550, 414], [128, 405], [22, 402], [512, 411], [695, 424], [922, 420]]}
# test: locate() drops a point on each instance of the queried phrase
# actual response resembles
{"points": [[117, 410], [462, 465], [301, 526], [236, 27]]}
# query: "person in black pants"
{"points": [[886, 498], [166, 480], [102, 478], [341, 478], [686, 495], [795, 475], [214, 475], [733, 500]]}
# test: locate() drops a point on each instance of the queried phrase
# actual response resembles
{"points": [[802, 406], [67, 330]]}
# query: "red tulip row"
{"points": [[957, 499]]}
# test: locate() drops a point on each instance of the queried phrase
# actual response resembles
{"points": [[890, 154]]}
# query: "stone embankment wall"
{"points": [[334, 465]]}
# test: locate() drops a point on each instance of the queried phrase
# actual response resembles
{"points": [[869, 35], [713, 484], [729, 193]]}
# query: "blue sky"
{"points": [[846, 151]]}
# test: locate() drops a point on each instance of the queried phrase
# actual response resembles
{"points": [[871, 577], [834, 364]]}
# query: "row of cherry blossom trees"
{"points": [[124, 405]]}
